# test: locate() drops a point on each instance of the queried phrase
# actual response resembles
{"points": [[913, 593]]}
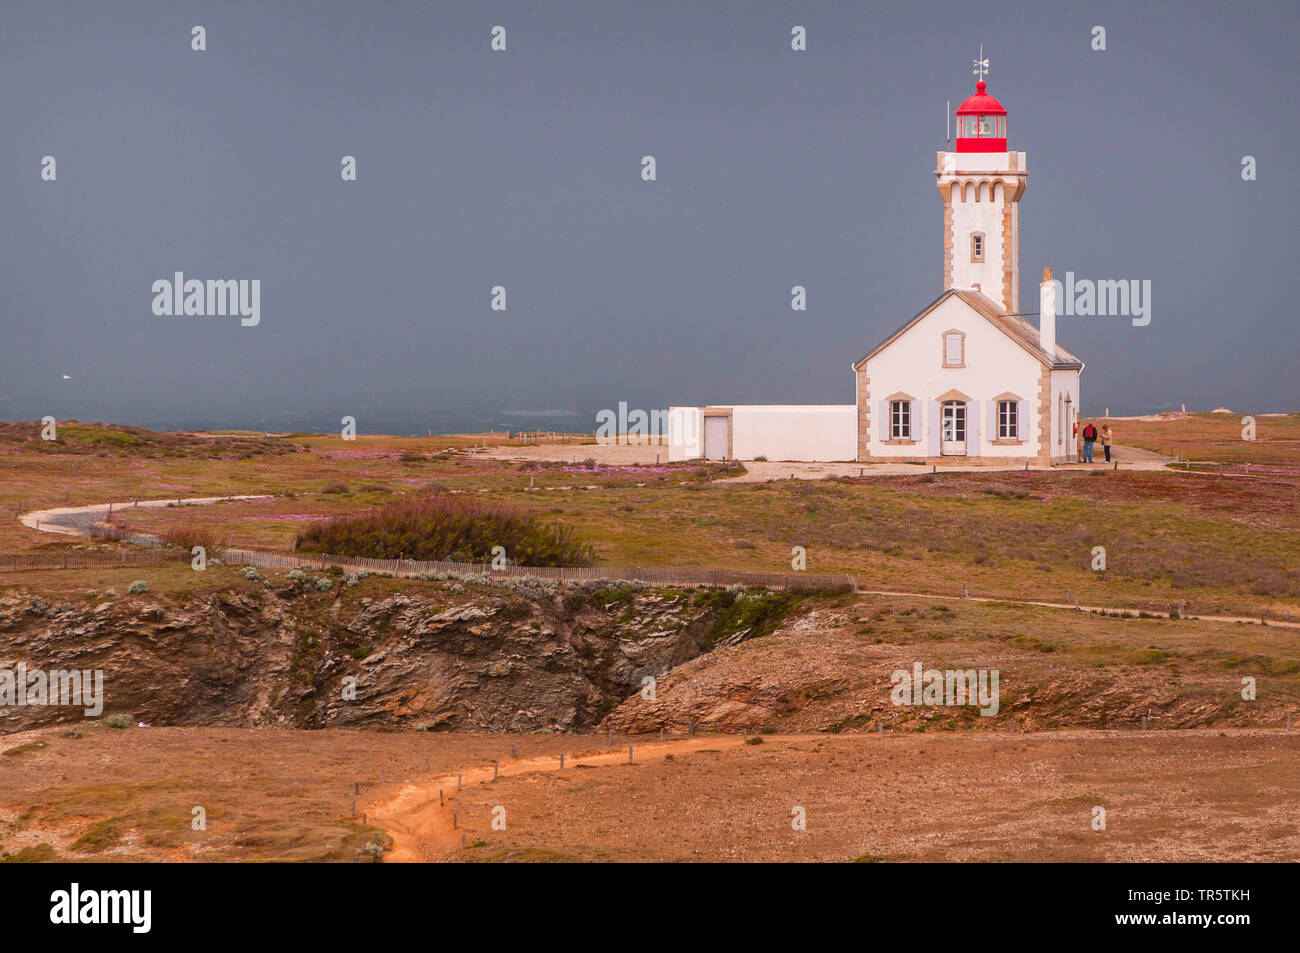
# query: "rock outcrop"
{"points": [[381, 654]]}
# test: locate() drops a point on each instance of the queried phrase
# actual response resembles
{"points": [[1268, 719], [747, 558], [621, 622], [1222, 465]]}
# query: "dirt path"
{"points": [[760, 471], [79, 520], [1082, 608], [421, 820]]}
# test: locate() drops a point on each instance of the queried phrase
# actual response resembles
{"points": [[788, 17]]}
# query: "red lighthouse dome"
{"points": [[981, 123]]}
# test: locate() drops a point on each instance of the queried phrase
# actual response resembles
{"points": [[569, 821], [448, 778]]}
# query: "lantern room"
{"points": [[981, 123]]}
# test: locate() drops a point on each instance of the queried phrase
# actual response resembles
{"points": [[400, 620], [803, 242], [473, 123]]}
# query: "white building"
{"points": [[967, 380]]}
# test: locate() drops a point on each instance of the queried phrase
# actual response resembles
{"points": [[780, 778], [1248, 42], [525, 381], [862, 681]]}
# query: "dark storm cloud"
{"points": [[522, 169]]}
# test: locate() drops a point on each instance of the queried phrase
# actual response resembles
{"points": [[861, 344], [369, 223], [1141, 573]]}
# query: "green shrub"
{"points": [[137, 588], [443, 527], [117, 721], [188, 535]]}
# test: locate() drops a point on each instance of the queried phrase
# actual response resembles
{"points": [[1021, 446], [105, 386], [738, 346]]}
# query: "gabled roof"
{"points": [[1012, 325]]}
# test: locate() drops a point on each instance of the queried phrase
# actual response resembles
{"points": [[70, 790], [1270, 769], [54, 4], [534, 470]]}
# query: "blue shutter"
{"points": [[992, 419], [914, 419], [933, 428], [973, 429], [1023, 429], [883, 429]]}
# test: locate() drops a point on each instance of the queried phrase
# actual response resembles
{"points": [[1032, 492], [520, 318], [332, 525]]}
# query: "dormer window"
{"points": [[954, 349], [977, 247]]}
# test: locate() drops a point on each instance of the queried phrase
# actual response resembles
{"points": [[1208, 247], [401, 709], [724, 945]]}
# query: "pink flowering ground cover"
{"points": [[619, 469], [1263, 470]]}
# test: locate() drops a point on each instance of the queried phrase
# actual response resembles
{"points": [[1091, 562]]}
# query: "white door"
{"points": [[954, 429], [717, 430]]}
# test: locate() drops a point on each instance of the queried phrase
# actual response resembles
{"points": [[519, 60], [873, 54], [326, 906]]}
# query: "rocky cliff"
{"points": [[384, 653]]}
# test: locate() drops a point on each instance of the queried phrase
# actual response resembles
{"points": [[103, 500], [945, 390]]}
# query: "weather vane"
{"points": [[981, 65]]}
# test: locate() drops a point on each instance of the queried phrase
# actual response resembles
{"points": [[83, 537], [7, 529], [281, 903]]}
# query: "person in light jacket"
{"points": [[1105, 440]]}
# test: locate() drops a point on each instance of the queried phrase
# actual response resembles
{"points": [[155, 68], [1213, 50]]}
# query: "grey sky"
{"points": [[523, 169]]}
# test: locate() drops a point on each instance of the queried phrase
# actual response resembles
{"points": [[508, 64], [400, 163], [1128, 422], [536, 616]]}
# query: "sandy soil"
{"points": [[606, 454], [423, 818], [270, 794], [1129, 458], [1189, 796]]}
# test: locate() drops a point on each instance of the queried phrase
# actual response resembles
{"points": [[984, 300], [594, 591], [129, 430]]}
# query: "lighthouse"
{"points": [[967, 380], [981, 184]]}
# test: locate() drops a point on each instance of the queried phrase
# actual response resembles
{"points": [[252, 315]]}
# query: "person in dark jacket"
{"points": [[1089, 438]]}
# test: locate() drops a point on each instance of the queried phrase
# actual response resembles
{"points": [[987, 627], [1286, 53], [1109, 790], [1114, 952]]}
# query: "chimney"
{"points": [[1047, 314]]}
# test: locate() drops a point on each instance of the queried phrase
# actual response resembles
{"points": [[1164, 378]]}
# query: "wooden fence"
{"points": [[70, 559], [539, 437], [73, 559]]}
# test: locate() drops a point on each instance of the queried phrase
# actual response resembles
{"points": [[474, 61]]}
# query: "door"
{"points": [[953, 429], [717, 431]]}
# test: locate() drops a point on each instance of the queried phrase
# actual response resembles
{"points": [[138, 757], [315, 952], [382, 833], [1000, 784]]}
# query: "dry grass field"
{"points": [[114, 795], [1223, 544], [1213, 778], [1216, 438]]}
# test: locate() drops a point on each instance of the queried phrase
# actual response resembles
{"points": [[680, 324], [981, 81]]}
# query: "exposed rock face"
{"points": [[821, 671], [422, 657]]}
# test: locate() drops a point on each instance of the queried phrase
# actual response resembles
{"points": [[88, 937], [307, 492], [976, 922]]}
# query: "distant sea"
{"points": [[370, 420], [374, 421]]}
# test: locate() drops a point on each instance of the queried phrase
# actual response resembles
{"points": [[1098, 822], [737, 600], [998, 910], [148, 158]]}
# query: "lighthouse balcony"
{"points": [[966, 163]]}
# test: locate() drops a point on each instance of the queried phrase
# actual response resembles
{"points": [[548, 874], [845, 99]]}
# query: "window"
{"points": [[954, 349], [953, 421], [1008, 423], [977, 247], [900, 420], [982, 127]]}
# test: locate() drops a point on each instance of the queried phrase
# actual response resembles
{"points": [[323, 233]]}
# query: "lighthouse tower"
{"points": [[981, 184]]}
